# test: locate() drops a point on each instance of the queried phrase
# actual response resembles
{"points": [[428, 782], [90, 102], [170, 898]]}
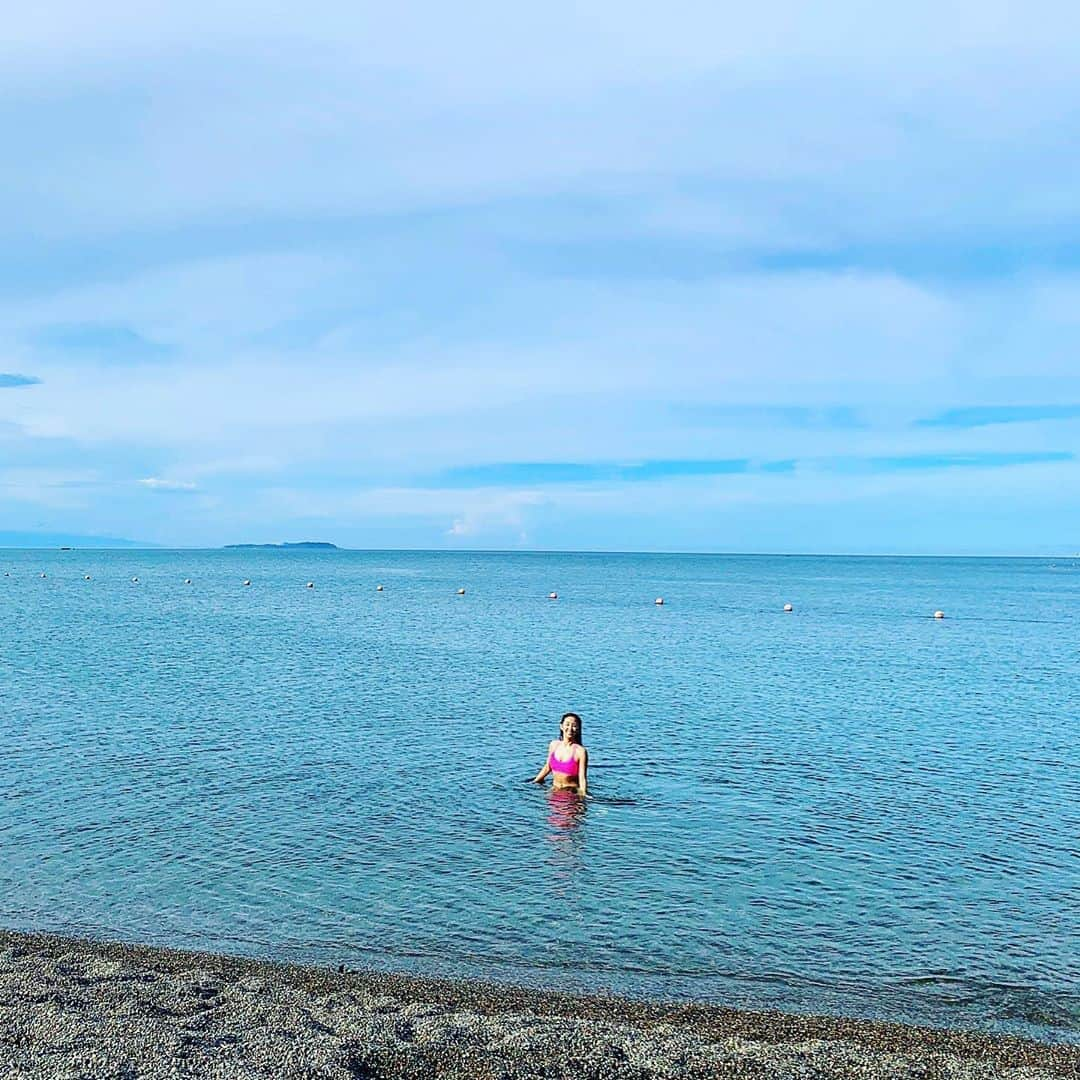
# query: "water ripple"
{"points": [[851, 808]]}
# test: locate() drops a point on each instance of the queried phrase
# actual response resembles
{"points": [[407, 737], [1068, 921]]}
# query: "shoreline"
{"points": [[77, 1007]]}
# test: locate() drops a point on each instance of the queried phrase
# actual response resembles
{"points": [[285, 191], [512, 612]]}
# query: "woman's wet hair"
{"points": [[564, 718]]}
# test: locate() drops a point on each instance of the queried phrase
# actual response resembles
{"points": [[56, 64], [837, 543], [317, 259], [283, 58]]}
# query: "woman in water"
{"points": [[567, 760]]}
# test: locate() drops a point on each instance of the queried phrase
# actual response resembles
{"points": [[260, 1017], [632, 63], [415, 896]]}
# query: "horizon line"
{"points": [[566, 551]]}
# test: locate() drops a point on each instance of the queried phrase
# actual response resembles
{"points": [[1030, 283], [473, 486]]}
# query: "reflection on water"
{"points": [[566, 812], [566, 815]]}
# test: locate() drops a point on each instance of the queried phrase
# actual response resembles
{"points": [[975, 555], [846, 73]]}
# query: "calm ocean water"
{"points": [[851, 808]]}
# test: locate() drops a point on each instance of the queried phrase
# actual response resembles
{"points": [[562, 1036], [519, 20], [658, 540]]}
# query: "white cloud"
{"points": [[766, 337], [915, 118], [376, 242], [157, 483]]}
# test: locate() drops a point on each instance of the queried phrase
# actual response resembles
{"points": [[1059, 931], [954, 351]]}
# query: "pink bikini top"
{"points": [[567, 768]]}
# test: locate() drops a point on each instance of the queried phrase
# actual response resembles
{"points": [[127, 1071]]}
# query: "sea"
{"points": [[851, 807]]}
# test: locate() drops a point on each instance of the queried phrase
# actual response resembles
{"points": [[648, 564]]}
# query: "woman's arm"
{"points": [[583, 774], [539, 777]]}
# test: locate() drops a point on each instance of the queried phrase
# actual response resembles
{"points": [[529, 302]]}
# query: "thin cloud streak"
{"points": [[552, 474], [105, 340], [543, 474], [828, 418], [985, 460], [157, 483], [987, 415]]}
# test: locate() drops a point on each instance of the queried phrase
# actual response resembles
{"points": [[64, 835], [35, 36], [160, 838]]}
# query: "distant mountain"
{"points": [[320, 545], [73, 540]]}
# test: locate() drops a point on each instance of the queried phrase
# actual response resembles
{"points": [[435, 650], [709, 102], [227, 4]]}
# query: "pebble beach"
{"points": [[77, 1008]]}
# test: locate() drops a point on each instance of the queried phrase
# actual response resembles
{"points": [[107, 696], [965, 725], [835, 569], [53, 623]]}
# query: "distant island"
{"points": [[321, 545]]}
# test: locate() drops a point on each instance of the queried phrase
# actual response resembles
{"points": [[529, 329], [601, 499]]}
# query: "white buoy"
{"points": [[86, 577], [461, 592], [939, 614], [310, 585], [553, 596], [187, 581], [659, 601], [134, 581], [378, 588], [43, 574], [788, 607], [247, 581]]}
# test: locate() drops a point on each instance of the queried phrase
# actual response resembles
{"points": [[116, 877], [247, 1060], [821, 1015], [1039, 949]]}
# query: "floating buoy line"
{"points": [[788, 607]]}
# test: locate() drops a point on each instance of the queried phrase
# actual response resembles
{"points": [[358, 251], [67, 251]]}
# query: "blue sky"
{"points": [[603, 276]]}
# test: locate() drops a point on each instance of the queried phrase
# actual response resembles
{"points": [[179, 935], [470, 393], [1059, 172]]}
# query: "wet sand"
{"points": [[74, 1008]]}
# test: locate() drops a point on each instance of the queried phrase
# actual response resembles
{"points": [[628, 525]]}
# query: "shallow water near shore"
{"points": [[850, 808]]}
